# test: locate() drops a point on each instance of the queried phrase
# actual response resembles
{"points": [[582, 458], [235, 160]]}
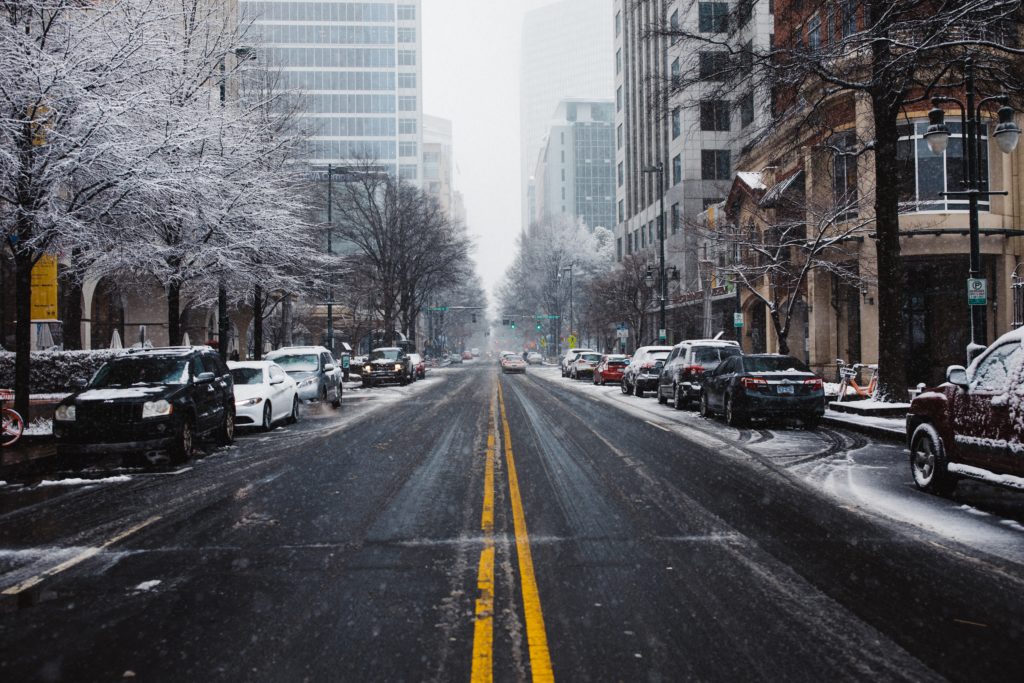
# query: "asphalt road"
{"points": [[450, 531]]}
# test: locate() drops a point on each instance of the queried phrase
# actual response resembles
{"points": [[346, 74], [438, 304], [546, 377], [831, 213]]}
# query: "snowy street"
{"points": [[528, 521]]}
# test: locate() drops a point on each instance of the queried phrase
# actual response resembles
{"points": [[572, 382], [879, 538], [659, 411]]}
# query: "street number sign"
{"points": [[737, 320], [977, 291]]}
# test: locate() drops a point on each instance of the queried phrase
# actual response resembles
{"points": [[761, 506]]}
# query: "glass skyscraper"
{"points": [[356, 68]]}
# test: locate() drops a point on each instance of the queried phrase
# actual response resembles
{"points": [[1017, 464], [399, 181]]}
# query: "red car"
{"points": [[971, 426], [610, 368]]}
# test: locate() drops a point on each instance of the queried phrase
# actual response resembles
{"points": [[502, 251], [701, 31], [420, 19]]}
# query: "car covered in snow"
{"points": [[315, 371], [583, 365], [512, 362], [641, 375], [155, 403], [680, 378], [972, 426]]}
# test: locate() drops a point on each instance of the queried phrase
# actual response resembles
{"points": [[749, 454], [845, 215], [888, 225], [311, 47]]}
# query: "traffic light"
{"points": [[513, 324], [539, 327], [474, 318], [504, 321]]}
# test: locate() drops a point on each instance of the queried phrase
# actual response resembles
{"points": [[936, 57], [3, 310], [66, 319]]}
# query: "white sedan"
{"points": [[264, 394]]}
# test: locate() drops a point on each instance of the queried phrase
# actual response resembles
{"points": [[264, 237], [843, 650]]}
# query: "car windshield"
{"points": [[128, 372], [710, 357], [658, 355], [773, 364], [384, 354], [618, 361], [591, 357], [247, 375], [299, 362]]}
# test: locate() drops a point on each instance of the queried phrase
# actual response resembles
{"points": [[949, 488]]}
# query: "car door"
{"points": [[204, 395], [723, 376], [982, 426], [223, 391], [710, 388], [281, 392], [667, 375]]}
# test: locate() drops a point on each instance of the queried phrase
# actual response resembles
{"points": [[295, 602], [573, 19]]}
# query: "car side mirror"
{"points": [[956, 374], [276, 381], [205, 377], [328, 367], [79, 383]]}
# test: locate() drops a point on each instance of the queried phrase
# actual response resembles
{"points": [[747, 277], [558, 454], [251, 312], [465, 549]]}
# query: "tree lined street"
{"points": [[661, 544]]}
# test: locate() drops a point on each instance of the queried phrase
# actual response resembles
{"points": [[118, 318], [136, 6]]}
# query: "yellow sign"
{"points": [[44, 288], [572, 341]]}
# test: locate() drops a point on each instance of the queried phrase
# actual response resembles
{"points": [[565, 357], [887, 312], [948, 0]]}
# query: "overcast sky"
{"points": [[471, 76]]}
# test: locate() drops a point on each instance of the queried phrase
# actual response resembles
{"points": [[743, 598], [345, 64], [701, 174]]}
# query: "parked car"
{"points": [[569, 357], [534, 358], [511, 362], [467, 355], [584, 364], [680, 378], [970, 427], [641, 374], [763, 385], [314, 370], [454, 358], [610, 368], [419, 366], [264, 394], [387, 364], [153, 402]]}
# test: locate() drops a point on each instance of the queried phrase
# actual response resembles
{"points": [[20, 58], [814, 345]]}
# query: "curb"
{"points": [[870, 430]]}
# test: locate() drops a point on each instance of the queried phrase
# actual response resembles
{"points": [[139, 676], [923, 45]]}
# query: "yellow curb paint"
{"points": [[77, 559], [483, 627], [536, 635]]}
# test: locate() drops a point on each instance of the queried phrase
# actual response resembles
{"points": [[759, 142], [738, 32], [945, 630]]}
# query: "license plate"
{"points": [[785, 389]]}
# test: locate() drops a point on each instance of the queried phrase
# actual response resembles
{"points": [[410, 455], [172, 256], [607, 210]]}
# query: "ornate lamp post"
{"points": [[659, 168]]}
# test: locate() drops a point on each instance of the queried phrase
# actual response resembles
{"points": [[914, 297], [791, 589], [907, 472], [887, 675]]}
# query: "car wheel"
{"points": [[268, 418], [733, 417], [185, 443], [226, 432], [661, 399], [336, 403], [637, 391], [928, 462], [322, 394], [705, 409], [294, 416], [677, 402], [624, 386], [812, 421]]}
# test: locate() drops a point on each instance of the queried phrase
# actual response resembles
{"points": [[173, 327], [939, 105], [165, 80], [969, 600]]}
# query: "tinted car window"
{"points": [[304, 362], [711, 356], [129, 371], [247, 375], [276, 373], [773, 364], [384, 354], [592, 357]]}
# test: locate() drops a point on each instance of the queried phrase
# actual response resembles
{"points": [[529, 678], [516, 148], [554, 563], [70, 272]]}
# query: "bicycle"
{"points": [[12, 425], [848, 379]]}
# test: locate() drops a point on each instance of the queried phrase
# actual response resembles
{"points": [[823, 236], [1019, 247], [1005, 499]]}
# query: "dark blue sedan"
{"points": [[763, 385]]}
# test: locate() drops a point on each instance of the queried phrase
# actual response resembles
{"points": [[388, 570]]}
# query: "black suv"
{"points": [[154, 402]]}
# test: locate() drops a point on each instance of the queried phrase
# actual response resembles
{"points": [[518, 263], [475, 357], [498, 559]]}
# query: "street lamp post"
{"points": [[330, 252], [1007, 134], [659, 168], [571, 316]]}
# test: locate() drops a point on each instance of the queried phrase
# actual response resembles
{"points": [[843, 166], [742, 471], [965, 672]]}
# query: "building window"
{"points": [[673, 23], [676, 71], [844, 175], [407, 35], [618, 99], [408, 172], [849, 20], [407, 12], [677, 123], [713, 17], [407, 126], [622, 174], [618, 61], [714, 65], [618, 248], [675, 218], [814, 33], [746, 107], [618, 24], [406, 80], [923, 176], [622, 210], [715, 164], [714, 115], [618, 137], [407, 103], [407, 58], [406, 149], [677, 169]]}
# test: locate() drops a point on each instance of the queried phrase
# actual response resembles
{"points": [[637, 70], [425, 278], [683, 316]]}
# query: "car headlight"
{"points": [[368, 368], [159, 408], [308, 381], [65, 413], [398, 367], [248, 402]]}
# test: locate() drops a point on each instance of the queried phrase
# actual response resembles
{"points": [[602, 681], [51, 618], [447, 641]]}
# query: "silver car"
{"points": [[315, 371]]}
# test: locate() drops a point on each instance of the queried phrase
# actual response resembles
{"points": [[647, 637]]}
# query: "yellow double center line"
{"points": [[483, 632]]}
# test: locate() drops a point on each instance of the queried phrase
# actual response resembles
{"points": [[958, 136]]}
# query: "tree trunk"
{"points": [[222, 322], [257, 323], [72, 336], [286, 321], [173, 313], [22, 329], [892, 372], [781, 333]]}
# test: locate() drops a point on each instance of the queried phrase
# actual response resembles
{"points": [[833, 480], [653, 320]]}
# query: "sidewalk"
{"points": [[881, 420]]}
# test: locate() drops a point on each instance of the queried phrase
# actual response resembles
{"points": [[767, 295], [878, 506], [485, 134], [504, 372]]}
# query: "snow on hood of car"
{"points": [[243, 391], [127, 392]]}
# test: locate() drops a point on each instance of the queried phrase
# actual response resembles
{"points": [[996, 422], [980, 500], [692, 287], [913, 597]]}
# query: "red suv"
{"points": [[972, 426]]}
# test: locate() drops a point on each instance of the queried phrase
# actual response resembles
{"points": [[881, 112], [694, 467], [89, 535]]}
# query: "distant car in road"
{"points": [[641, 374], [419, 366], [454, 358], [763, 385], [155, 403], [569, 357], [970, 427], [387, 364], [264, 394], [512, 362], [584, 364], [680, 378], [611, 368], [315, 371], [534, 358], [467, 355]]}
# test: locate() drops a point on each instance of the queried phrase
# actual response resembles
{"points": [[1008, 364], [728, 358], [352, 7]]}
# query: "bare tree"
{"points": [[621, 295]]}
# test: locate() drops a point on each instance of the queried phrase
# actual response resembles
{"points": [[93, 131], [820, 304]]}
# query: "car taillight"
{"points": [[754, 383], [647, 366], [695, 369], [814, 384]]}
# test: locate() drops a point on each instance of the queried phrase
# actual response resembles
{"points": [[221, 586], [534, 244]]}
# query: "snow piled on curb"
{"points": [[82, 482]]}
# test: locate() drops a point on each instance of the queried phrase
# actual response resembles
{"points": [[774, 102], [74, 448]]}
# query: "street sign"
{"points": [[977, 291], [662, 336], [572, 341], [737, 320], [622, 333]]}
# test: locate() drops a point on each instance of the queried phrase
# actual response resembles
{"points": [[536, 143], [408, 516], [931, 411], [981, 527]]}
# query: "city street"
{"points": [[526, 525]]}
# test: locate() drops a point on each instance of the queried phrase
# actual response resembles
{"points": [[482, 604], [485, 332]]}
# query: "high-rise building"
{"points": [[575, 172], [356, 67], [566, 53], [438, 162]]}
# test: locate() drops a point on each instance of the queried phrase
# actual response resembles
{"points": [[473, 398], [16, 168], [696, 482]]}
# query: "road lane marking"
{"points": [[658, 426], [77, 559], [483, 628], [536, 636]]}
